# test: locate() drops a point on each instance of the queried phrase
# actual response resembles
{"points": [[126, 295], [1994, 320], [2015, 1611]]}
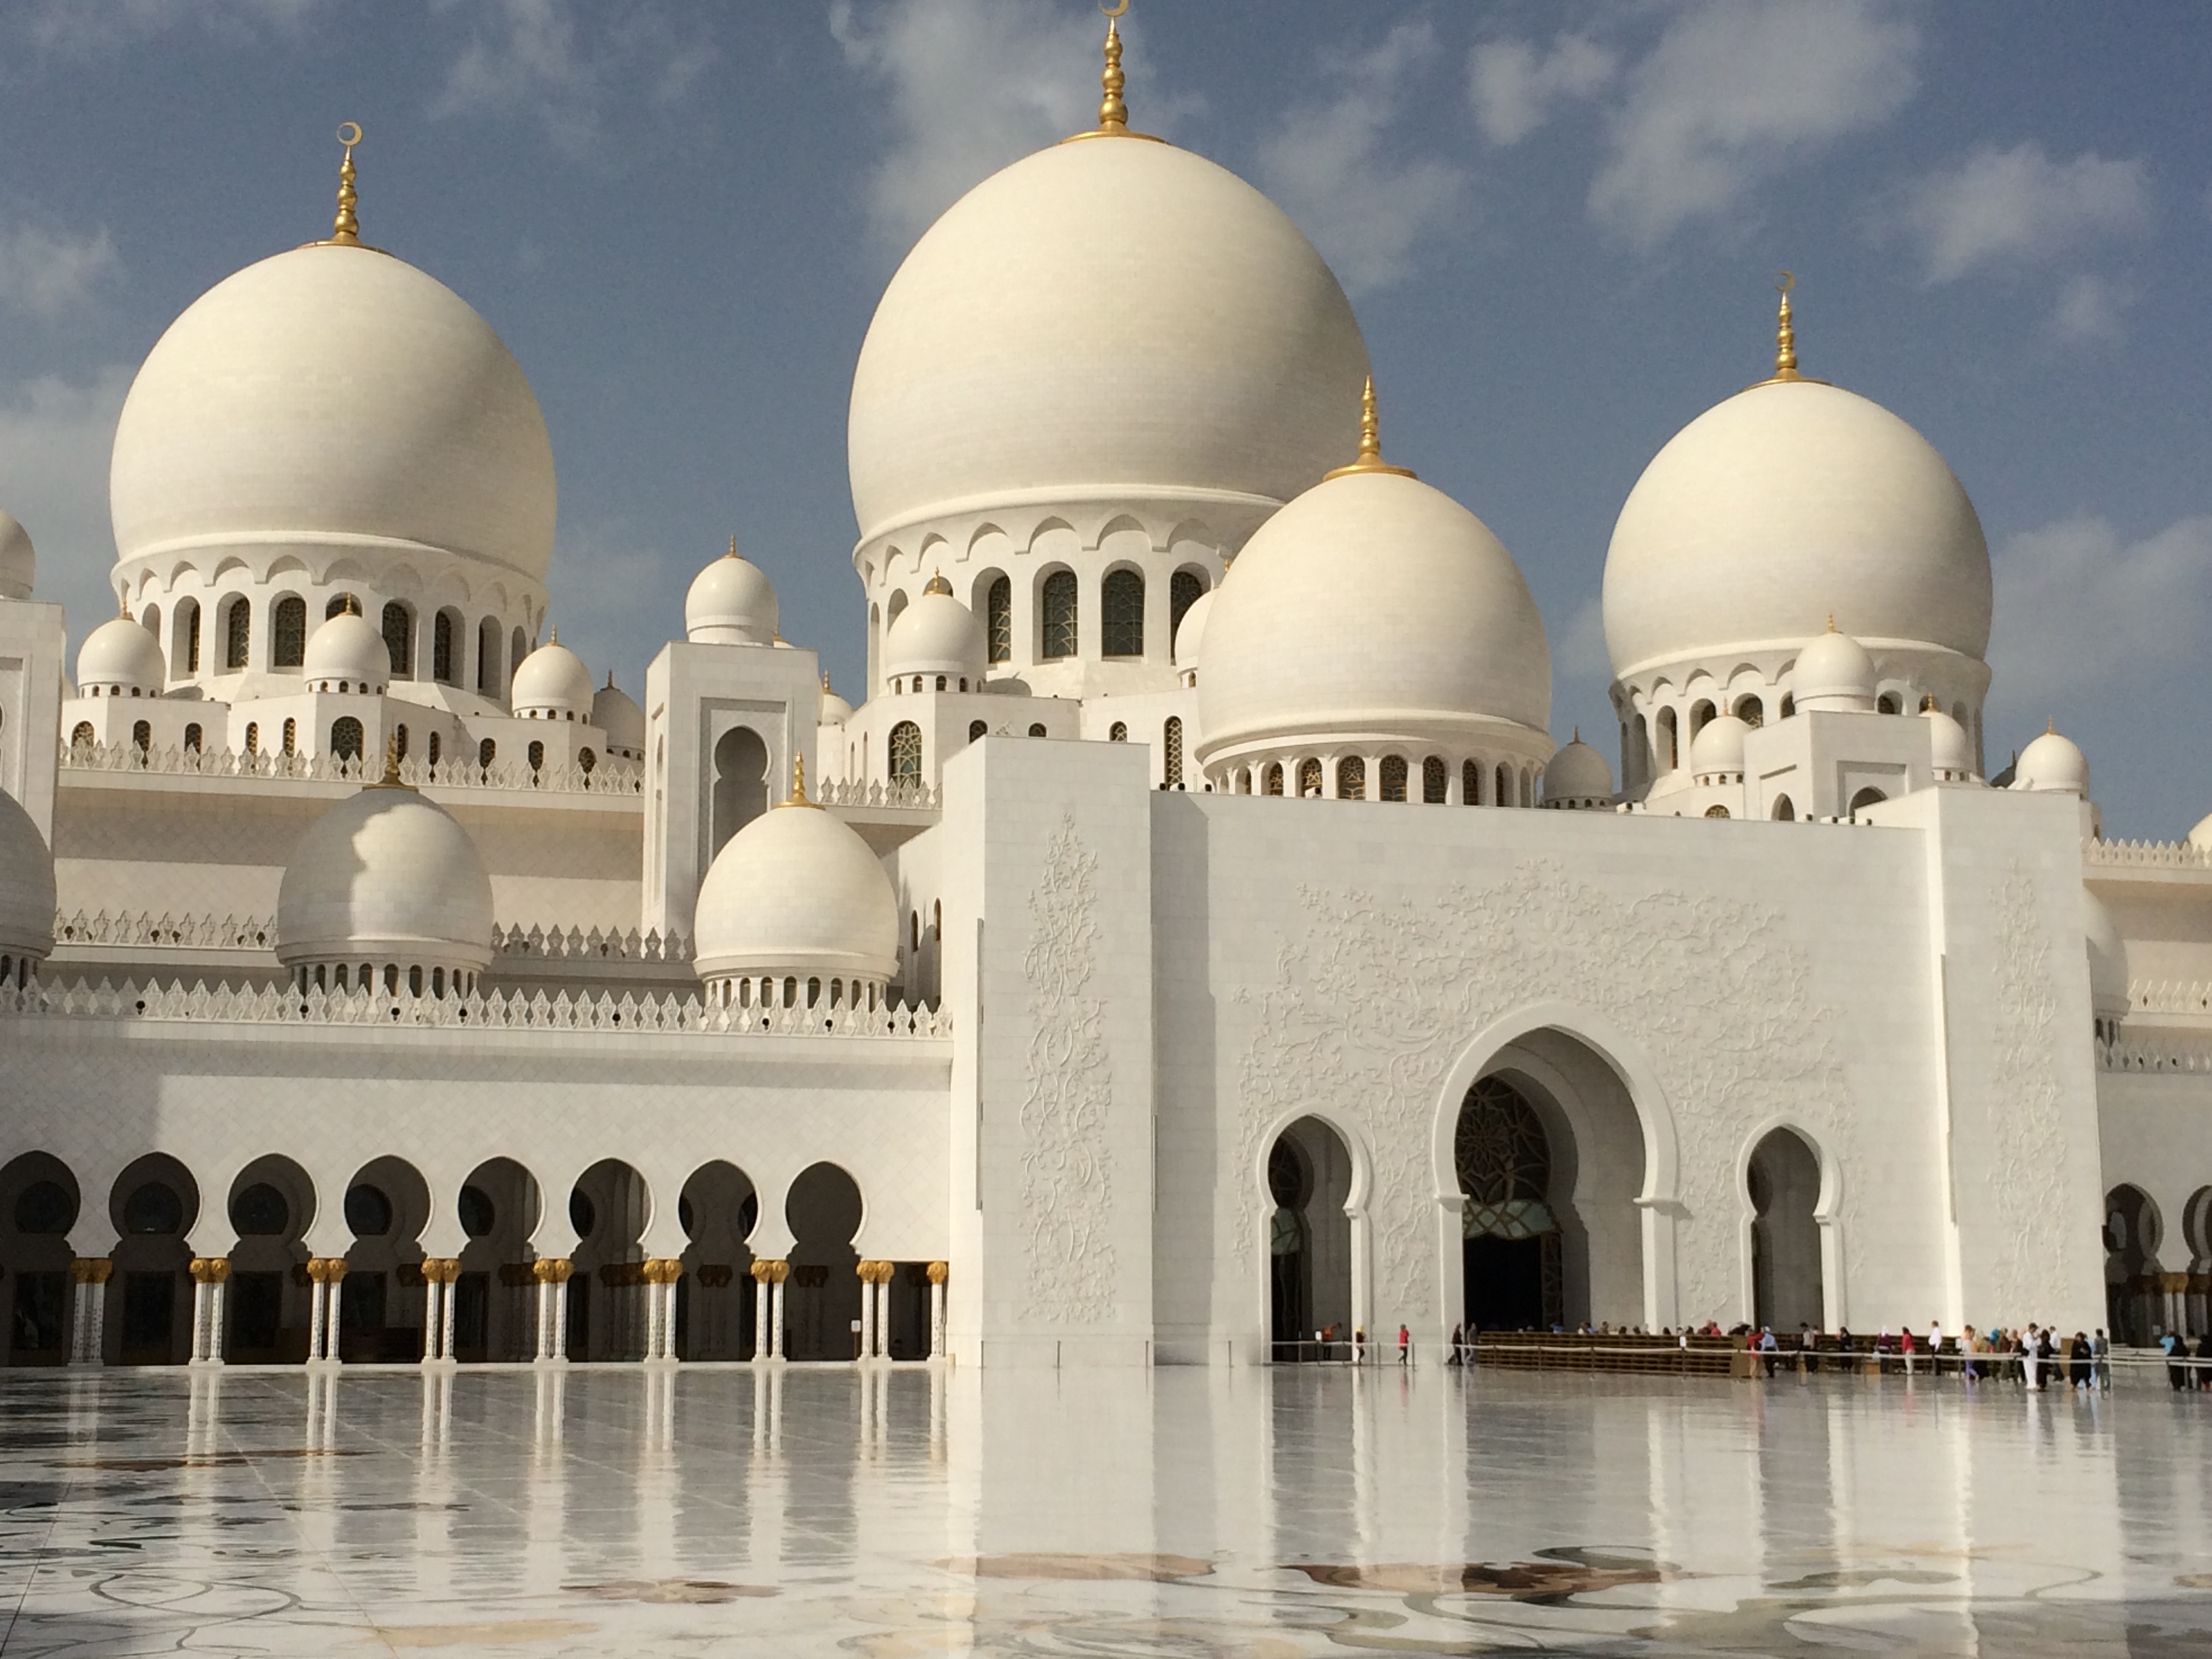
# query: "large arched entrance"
{"points": [[1783, 1177], [495, 1299], [381, 1300], [154, 1205], [740, 781], [265, 1309], [1511, 1248], [824, 1292], [609, 1209], [714, 1299], [2131, 1267], [39, 1201], [1308, 1241]]}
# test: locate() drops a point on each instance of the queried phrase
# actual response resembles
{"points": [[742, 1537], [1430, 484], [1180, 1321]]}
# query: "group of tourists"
{"points": [[2033, 1357]]}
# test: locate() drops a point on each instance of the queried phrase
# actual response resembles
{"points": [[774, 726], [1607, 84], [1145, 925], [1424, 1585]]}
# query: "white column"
{"points": [[653, 1311], [318, 1307], [433, 1327], [776, 1322], [330, 1317], [203, 1296], [936, 1312], [220, 1302], [541, 1332], [445, 1313], [884, 1314], [561, 1318], [868, 1310], [760, 1319]]}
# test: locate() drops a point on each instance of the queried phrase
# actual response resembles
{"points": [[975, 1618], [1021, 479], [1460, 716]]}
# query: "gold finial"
{"points": [[610, 679], [798, 785], [1370, 443], [1785, 339], [1831, 622], [825, 680], [346, 229], [937, 584], [1578, 734], [352, 606], [123, 605], [555, 638], [391, 779], [2050, 726], [1113, 113], [732, 553]]}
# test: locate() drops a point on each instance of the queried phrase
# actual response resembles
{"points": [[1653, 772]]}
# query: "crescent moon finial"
{"points": [[1121, 10], [345, 229]]}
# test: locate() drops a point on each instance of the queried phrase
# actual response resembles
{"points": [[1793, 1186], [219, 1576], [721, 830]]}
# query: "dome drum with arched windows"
{"points": [[1577, 779], [552, 683], [120, 659], [935, 638], [348, 656], [730, 602]]}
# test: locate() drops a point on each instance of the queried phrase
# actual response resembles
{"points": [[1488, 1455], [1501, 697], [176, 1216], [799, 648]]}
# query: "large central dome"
{"points": [[333, 395], [1113, 314]]}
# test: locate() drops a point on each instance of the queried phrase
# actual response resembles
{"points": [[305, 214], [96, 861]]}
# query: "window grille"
{"points": [[1351, 778], [1274, 786], [1037, 730], [340, 602], [537, 757], [487, 752], [976, 729], [400, 743], [291, 737], [435, 747], [1432, 781], [1122, 611], [192, 641], [1059, 621], [345, 737], [999, 619], [441, 648], [288, 632], [1171, 741], [1118, 734], [252, 738], [1185, 588], [398, 638], [141, 736], [193, 738], [906, 752], [238, 633], [1393, 777]]}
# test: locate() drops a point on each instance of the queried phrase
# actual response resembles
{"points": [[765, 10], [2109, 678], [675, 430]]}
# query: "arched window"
{"points": [[345, 737], [1393, 777], [1309, 778], [399, 639], [237, 633], [340, 602], [1037, 730], [1504, 795], [1351, 778], [1784, 812], [1700, 712], [400, 744], [288, 632], [435, 747], [1670, 752], [81, 736], [187, 650], [537, 758], [1122, 612], [1866, 798], [999, 619], [1172, 742], [1185, 589], [976, 729], [1789, 706], [1272, 783], [587, 760], [441, 648], [1118, 733], [1470, 784], [1716, 811], [518, 647], [141, 736], [1433, 780], [1887, 703], [1059, 630], [1751, 711], [193, 738], [252, 737], [292, 736], [487, 752], [488, 656], [906, 752]]}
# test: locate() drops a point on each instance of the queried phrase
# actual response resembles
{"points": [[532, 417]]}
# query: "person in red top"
{"points": [[1405, 1344]]}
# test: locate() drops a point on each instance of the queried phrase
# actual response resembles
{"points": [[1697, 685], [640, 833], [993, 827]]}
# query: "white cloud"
{"points": [[2088, 310], [85, 28], [1736, 91], [1365, 210], [612, 595], [2078, 607], [2018, 204], [973, 85], [54, 437], [45, 272], [1515, 90], [568, 67]]}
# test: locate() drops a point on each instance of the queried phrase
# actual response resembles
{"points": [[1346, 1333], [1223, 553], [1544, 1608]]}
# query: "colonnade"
{"points": [[210, 1277]]}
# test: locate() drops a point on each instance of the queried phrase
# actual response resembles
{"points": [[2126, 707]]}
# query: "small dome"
{"points": [[385, 875], [27, 885], [1103, 319], [2053, 764], [2108, 959], [1834, 673], [1785, 502], [1718, 748], [1577, 776], [334, 396], [19, 560], [552, 684], [731, 603], [835, 711], [1373, 604], [796, 891], [120, 659], [616, 713], [1191, 636], [935, 634], [2201, 835], [1950, 750], [347, 651]]}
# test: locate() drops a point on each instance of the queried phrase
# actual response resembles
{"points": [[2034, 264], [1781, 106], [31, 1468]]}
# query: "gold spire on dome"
{"points": [[352, 606], [1370, 443], [732, 553], [555, 638], [346, 229], [937, 584], [123, 605], [391, 779], [1113, 113], [1785, 339], [799, 786]]}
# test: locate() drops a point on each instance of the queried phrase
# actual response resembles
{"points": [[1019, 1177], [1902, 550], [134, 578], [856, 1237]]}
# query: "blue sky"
{"points": [[1559, 224]]}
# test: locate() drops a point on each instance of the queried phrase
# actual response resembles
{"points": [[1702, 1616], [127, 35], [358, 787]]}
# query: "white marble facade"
{"points": [[1160, 962]]}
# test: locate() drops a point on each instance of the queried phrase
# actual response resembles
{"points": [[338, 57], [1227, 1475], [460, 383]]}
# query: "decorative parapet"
{"points": [[168, 933], [2170, 996], [2133, 1052], [575, 945], [607, 777], [913, 793], [2148, 854], [494, 1010]]}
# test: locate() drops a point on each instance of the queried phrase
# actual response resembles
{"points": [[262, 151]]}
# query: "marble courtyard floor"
{"points": [[1272, 1514]]}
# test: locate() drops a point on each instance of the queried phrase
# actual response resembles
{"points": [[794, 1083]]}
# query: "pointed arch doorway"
{"points": [[1512, 1251]]}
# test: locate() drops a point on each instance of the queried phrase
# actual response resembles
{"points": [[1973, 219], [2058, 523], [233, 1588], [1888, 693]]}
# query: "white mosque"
{"points": [[382, 984]]}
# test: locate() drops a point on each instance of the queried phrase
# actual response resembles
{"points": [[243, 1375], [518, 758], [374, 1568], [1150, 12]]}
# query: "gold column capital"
{"points": [[91, 1269], [939, 1271]]}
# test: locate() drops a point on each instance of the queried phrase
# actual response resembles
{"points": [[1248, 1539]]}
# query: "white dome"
{"points": [[552, 683], [1950, 750], [120, 658], [1834, 673], [2054, 764], [1372, 604], [347, 651], [1108, 317], [333, 395], [935, 634], [385, 875], [1191, 634], [796, 891], [731, 603], [2108, 959], [2201, 835], [1718, 747], [1577, 774], [616, 713], [19, 560], [27, 885], [1786, 503], [835, 711]]}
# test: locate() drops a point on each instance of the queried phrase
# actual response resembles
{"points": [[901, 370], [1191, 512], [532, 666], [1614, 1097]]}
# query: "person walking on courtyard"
{"points": [[2079, 1372], [1966, 1351], [1404, 1345], [1456, 1341], [1935, 1347], [1359, 1344], [1906, 1346], [2202, 1377], [2027, 1359], [2100, 1355], [2177, 1376]]}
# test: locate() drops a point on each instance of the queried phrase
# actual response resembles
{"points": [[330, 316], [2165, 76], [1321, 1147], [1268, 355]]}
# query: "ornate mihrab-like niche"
{"points": [[1373, 1001], [1067, 1194]]}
